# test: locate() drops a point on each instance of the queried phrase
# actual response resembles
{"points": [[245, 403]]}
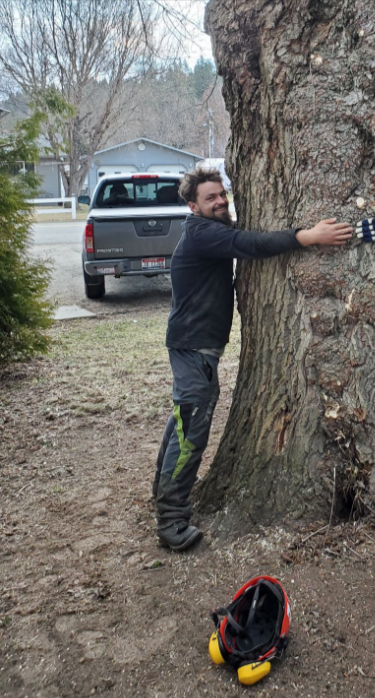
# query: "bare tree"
{"points": [[166, 109], [299, 86], [79, 48], [212, 122]]}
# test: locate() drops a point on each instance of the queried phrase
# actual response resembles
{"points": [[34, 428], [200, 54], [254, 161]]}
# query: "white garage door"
{"points": [[168, 169], [115, 169]]}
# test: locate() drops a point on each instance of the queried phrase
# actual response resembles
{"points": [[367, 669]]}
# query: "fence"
{"points": [[56, 209]]}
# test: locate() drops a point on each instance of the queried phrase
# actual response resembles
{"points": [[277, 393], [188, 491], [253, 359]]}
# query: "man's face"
{"points": [[212, 202]]}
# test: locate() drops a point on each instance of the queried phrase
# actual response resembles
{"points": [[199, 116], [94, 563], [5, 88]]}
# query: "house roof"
{"points": [[43, 142], [148, 140], [45, 153]]}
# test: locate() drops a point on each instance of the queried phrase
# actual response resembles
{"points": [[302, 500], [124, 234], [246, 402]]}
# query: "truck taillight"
{"points": [[89, 237]]}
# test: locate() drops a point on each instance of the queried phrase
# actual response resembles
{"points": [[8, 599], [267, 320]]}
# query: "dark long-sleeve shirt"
{"points": [[202, 278]]}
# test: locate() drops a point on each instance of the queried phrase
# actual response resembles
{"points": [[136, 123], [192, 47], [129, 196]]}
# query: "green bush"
{"points": [[25, 313]]}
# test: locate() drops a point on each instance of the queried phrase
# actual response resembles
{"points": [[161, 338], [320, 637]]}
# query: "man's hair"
{"points": [[191, 181]]}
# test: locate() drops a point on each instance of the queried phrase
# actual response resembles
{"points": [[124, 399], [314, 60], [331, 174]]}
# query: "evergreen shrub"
{"points": [[25, 313]]}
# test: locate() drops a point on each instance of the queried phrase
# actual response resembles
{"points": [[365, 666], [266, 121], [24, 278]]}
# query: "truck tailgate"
{"points": [[135, 237]]}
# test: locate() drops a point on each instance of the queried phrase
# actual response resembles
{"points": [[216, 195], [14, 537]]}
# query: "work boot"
{"points": [[179, 535]]}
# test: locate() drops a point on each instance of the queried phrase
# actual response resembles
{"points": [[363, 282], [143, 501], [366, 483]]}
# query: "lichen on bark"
{"points": [[299, 84]]}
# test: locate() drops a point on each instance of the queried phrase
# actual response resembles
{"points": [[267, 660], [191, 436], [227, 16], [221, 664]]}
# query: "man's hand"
{"points": [[326, 232], [366, 230]]}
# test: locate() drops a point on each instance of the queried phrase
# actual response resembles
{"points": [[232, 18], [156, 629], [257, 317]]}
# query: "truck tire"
{"points": [[94, 290]]}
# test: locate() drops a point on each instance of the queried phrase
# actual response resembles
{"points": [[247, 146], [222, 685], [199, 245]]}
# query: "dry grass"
{"points": [[59, 217]]}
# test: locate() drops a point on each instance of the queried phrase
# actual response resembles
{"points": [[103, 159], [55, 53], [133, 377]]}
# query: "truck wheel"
{"points": [[95, 290]]}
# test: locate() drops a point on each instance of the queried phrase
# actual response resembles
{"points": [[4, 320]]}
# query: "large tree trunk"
{"points": [[299, 87]]}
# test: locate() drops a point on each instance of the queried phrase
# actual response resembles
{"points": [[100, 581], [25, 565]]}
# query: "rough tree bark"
{"points": [[299, 86]]}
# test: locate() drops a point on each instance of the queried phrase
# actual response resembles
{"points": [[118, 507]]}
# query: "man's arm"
{"points": [[214, 239]]}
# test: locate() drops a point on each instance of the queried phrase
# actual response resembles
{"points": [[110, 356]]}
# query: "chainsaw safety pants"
{"points": [[195, 394]]}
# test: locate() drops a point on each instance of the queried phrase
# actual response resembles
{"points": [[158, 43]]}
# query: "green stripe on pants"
{"points": [[186, 447]]}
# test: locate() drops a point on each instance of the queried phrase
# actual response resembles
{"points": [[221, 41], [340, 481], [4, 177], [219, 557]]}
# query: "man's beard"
{"points": [[221, 215]]}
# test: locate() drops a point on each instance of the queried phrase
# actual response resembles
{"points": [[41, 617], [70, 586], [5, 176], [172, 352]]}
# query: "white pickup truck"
{"points": [[133, 227]]}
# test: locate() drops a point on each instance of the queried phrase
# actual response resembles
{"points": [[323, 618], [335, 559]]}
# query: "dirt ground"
{"points": [[90, 603]]}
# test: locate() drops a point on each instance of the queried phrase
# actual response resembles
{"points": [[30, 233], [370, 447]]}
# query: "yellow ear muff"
{"points": [[214, 649], [251, 673]]}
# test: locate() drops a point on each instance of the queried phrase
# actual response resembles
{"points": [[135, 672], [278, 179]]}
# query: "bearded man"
{"points": [[198, 330]]}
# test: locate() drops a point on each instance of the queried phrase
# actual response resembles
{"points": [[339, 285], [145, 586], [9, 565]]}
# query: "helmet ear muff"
{"points": [[254, 629], [248, 674], [214, 648]]}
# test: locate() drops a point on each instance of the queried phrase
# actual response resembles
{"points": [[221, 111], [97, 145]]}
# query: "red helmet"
{"points": [[255, 625]]}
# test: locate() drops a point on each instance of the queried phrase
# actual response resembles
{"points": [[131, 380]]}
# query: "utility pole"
{"points": [[211, 134]]}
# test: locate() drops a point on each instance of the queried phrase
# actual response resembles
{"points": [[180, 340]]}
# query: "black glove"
{"points": [[366, 229]]}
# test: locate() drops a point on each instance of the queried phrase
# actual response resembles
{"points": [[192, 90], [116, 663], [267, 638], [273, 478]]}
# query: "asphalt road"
{"points": [[58, 233], [60, 245]]}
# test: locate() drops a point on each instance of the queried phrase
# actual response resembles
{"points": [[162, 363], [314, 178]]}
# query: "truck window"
{"points": [[154, 193], [145, 193], [167, 193], [116, 194], [139, 193]]}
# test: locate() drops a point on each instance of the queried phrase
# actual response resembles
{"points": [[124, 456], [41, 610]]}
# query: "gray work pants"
{"points": [[195, 393]]}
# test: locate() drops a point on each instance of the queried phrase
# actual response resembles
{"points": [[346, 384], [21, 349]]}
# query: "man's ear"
{"points": [[193, 206]]}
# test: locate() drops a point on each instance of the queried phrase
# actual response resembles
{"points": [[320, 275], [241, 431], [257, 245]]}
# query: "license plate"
{"points": [[153, 263], [105, 270]]}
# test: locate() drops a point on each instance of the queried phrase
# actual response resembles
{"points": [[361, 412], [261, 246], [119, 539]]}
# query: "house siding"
{"points": [[50, 179], [129, 155]]}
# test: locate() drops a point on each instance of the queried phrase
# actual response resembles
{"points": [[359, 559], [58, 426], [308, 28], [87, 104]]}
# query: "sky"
{"points": [[199, 43], [202, 42], [200, 48]]}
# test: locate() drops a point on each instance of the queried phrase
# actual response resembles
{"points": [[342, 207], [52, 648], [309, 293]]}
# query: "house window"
{"points": [[21, 168]]}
